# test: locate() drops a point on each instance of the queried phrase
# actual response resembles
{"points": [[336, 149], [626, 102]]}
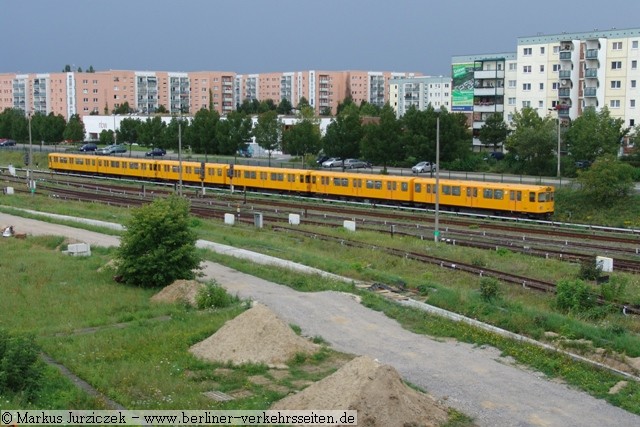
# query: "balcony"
{"points": [[488, 74], [564, 74], [563, 113], [488, 91], [565, 56], [590, 91], [564, 93], [591, 54], [488, 107], [591, 73]]}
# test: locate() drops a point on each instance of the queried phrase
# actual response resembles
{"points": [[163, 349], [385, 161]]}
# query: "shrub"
{"points": [[20, 367], [489, 288], [589, 270], [574, 296], [213, 295]]}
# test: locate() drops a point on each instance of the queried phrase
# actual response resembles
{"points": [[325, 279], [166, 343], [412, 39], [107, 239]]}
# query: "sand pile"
{"points": [[184, 291], [376, 391], [255, 336]]}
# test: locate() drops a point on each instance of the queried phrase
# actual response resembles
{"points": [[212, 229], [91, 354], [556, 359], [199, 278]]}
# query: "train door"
{"points": [[471, 197], [515, 200]]}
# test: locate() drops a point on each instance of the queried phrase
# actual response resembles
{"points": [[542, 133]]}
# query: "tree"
{"points": [[158, 246], [533, 142], [55, 127], [607, 180], [128, 131], [161, 109], [594, 134], [233, 132], [302, 138], [267, 131], [122, 108], [202, 132], [152, 133], [381, 143], [284, 107], [342, 138], [494, 131], [74, 130]]}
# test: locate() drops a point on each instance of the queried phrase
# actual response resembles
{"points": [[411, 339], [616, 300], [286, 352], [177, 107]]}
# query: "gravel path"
{"points": [[476, 381]]}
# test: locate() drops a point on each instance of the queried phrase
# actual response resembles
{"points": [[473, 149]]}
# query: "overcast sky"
{"points": [[257, 36]]}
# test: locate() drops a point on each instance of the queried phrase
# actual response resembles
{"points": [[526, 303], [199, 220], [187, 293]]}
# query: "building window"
{"points": [[554, 85], [541, 50], [540, 104], [556, 49], [616, 65], [556, 67], [513, 66], [617, 46], [526, 69], [632, 103], [634, 64], [633, 84], [614, 103], [527, 51], [526, 104], [511, 101], [542, 68], [615, 84], [634, 44], [526, 86], [512, 83], [541, 86]]}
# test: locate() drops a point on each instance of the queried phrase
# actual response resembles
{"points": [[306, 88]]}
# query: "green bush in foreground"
{"points": [[20, 367], [212, 295]]}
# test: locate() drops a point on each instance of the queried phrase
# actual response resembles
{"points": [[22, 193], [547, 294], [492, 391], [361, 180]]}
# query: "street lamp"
{"points": [[180, 153], [436, 231], [557, 109], [30, 159], [115, 138]]}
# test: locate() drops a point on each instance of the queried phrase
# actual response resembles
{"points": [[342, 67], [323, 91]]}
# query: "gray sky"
{"points": [[257, 36]]}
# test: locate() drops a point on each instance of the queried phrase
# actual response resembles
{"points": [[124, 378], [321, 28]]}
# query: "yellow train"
{"points": [[456, 195]]}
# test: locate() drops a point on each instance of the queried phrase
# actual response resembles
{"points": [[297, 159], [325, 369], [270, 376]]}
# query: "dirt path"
{"points": [[477, 381]]}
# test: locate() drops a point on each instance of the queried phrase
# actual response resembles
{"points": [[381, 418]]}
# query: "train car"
{"points": [[131, 167], [459, 195], [363, 186], [281, 180], [80, 163], [192, 172]]}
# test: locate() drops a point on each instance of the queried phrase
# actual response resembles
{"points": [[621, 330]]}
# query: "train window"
{"points": [[291, 177], [542, 197], [498, 194], [391, 185], [357, 183], [378, 185], [263, 176], [417, 188], [455, 190], [551, 196], [79, 161], [93, 162], [369, 184], [143, 166], [134, 165], [446, 189], [429, 189], [188, 169], [487, 193], [174, 169], [115, 164], [532, 196], [404, 186], [324, 180], [313, 179]]}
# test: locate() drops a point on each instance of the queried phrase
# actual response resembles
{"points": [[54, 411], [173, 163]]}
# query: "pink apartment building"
{"points": [[82, 93]]}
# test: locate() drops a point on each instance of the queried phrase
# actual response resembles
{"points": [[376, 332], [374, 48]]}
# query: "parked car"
{"points": [[332, 162], [7, 142], [321, 159], [112, 149], [156, 152], [356, 164], [583, 164], [495, 155], [89, 146], [423, 167]]}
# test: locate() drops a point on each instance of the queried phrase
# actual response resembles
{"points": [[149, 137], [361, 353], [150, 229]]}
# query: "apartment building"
{"points": [[419, 92], [479, 87], [569, 72]]}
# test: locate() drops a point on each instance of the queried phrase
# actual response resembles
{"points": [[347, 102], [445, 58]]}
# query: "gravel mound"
{"points": [[376, 391], [184, 291], [255, 336]]}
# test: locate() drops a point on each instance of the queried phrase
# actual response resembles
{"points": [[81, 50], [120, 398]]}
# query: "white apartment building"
{"points": [[572, 71], [419, 92]]}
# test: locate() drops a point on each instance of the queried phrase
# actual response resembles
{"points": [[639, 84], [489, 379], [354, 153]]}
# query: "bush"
{"points": [[20, 367], [213, 295], [589, 270], [574, 296], [489, 288]]}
